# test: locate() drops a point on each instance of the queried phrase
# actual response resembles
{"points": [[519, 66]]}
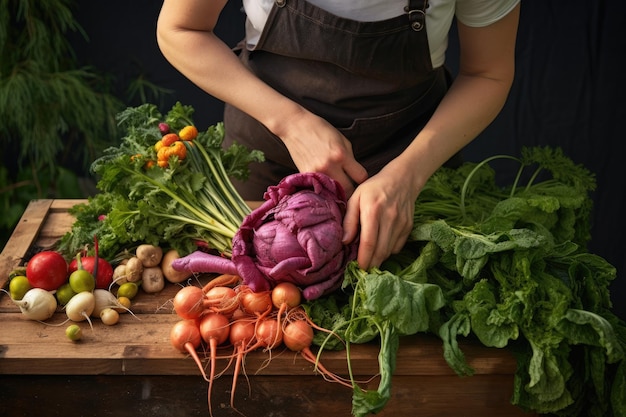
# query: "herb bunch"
{"points": [[189, 202]]}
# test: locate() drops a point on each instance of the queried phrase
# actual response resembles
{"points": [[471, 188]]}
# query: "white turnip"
{"points": [[80, 306], [37, 304]]}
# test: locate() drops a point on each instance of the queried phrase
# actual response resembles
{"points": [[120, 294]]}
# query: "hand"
{"points": [[383, 206], [316, 146]]}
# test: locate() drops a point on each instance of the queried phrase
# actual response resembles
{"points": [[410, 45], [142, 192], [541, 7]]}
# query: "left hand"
{"points": [[380, 209]]}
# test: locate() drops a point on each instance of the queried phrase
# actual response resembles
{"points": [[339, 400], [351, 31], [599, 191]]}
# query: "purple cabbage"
{"points": [[294, 236]]}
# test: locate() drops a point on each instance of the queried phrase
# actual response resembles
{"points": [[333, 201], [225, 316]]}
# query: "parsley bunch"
{"points": [[188, 203]]}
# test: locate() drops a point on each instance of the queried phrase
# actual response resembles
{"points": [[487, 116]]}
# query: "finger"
{"points": [[355, 171], [368, 239], [351, 221]]}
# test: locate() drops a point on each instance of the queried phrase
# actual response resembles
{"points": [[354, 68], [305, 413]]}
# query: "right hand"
{"points": [[316, 146]]}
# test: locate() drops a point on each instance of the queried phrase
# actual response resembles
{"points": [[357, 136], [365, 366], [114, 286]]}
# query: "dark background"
{"points": [[569, 91]]}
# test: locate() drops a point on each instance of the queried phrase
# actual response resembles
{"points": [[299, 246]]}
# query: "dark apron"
{"points": [[373, 81]]}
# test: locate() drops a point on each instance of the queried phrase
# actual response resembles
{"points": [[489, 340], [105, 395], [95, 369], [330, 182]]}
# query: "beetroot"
{"points": [[295, 236]]}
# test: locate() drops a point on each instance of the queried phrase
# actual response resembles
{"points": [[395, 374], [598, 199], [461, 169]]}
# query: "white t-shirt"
{"points": [[439, 16]]}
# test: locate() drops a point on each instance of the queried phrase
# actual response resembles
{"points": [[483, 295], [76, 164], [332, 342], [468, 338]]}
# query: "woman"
{"points": [[354, 89]]}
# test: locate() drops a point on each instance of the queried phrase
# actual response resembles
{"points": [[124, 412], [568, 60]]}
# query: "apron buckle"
{"points": [[417, 14], [417, 17]]}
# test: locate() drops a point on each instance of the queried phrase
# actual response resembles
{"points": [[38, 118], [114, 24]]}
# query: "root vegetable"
{"points": [[134, 269], [128, 290], [222, 300], [298, 337], [109, 316], [105, 299], [214, 330], [188, 302], [119, 274], [259, 303], [171, 274], [152, 280], [37, 304], [241, 335], [185, 337], [149, 255], [80, 307]]}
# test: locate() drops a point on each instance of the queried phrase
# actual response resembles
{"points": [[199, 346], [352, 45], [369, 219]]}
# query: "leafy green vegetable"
{"points": [[187, 203], [506, 265]]}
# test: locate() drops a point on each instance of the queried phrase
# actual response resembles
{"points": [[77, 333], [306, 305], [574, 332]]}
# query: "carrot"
{"points": [[185, 337], [214, 330]]}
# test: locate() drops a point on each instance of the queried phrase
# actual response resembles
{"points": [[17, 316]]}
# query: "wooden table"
{"points": [[131, 369]]}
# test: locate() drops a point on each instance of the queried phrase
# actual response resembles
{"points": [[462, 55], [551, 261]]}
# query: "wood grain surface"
{"points": [[131, 369]]}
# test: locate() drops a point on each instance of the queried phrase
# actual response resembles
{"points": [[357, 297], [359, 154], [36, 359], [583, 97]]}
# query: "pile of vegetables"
{"points": [[506, 265], [227, 314], [295, 236]]}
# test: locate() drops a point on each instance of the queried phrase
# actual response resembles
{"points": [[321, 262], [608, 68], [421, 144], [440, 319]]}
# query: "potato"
{"points": [[152, 279], [134, 269], [149, 255], [119, 274], [170, 273]]}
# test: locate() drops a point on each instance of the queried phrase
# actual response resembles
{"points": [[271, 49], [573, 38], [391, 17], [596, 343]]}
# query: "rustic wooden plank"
{"points": [[131, 368], [276, 396], [133, 344], [23, 237]]}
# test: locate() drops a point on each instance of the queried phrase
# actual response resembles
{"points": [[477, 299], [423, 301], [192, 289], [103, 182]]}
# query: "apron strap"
{"points": [[417, 13]]}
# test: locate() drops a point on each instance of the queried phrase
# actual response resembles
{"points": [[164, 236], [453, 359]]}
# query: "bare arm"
{"points": [[186, 38], [384, 204]]}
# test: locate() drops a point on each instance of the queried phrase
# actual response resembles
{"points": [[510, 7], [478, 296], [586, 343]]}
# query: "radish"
{"points": [[80, 307], [222, 300], [241, 335], [285, 296], [185, 337], [37, 304], [259, 303], [298, 337], [214, 330], [188, 302]]}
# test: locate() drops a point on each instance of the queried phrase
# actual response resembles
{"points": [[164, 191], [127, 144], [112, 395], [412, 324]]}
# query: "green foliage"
{"points": [[55, 116], [507, 266], [191, 200]]}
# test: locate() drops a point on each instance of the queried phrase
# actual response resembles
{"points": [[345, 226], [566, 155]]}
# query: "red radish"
{"points": [[188, 302], [241, 335], [214, 330], [298, 337], [221, 300], [185, 337], [47, 270]]}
